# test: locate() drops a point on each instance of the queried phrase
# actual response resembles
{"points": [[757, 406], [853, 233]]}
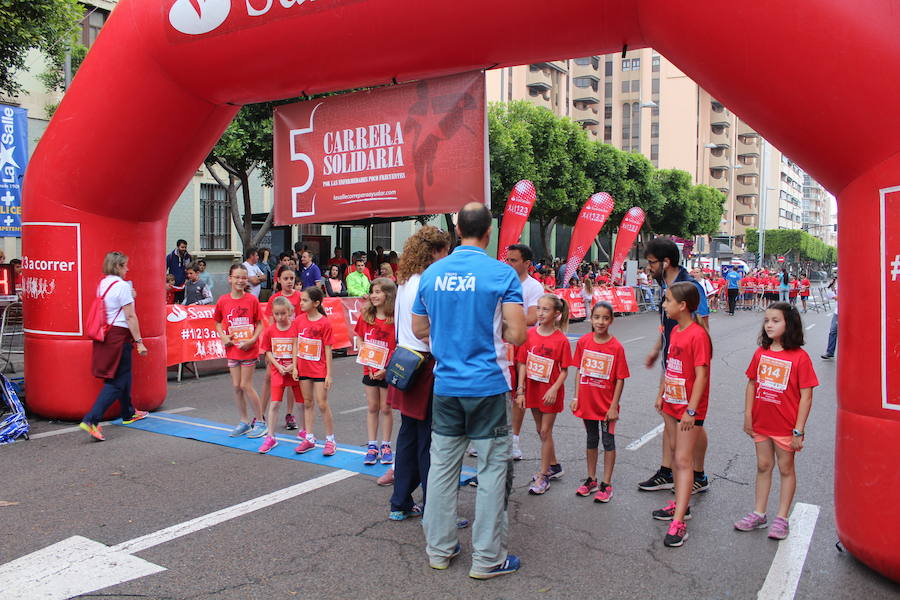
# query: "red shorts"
{"points": [[278, 392]]}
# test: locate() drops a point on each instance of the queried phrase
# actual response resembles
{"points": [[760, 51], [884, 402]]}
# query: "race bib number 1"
{"points": [[676, 392], [309, 349], [596, 364], [538, 368], [372, 355], [773, 373]]}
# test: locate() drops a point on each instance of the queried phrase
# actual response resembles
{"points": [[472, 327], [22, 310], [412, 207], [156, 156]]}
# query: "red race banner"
{"points": [[590, 221], [191, 330], [411, 149], [622, 300], [51, 280], [890, 298], [515, 215], [628, 230], [573, 298]]}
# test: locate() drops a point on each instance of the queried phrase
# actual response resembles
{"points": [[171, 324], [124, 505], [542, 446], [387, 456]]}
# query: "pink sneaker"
{"points": [[604, 494], [587, 488], [329, 449], [269, 443], [779, 529], [137, 416], [304, 446], [751, 521]]}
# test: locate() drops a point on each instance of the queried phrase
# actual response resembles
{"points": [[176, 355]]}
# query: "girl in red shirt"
{"points": [[314, 341], [804, 290], [602, 371], [777, 402], [543, 362], [376, 339], [279, 341], [284, 283], [683, 399], [239, 324]]}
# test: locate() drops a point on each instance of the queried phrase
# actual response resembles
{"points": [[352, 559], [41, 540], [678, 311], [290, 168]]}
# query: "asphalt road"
{"points": [[336, 541]]}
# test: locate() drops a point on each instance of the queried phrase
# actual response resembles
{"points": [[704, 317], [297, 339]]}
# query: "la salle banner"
{"points": [[409, 149]]}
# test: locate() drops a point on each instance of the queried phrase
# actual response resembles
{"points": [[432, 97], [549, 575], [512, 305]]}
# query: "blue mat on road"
{"points": [[347, 457]]}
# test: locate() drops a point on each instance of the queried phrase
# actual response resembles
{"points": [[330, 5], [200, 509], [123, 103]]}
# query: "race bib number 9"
{"points": [[676, 392], [372, 355], [283, 348], [309, 349], [773, 373], [239, 333], [596, 364], [538, 368]]}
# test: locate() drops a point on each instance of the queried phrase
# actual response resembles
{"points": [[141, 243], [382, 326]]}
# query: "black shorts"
{"points": [[381, 383], [316, 379], [697, 422]]}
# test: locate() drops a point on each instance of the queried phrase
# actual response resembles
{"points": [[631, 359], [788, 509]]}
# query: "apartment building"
{"points": [[641, 102], [817, 217]]}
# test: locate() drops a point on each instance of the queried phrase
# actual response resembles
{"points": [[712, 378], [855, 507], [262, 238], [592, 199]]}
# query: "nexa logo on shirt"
{"points": [[452, 282]]}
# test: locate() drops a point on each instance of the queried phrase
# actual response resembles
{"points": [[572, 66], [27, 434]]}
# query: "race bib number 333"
{"points": [[596, 364]]}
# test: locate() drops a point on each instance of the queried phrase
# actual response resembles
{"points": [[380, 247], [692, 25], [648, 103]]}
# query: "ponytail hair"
{"points": [[562, 307], [687, 292], [315, 294]]}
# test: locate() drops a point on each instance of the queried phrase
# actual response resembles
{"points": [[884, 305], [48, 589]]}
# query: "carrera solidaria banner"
{"points": [[590, 221], [621, 298], [191, 330], [628, 230], [515, 215], [411, 149]]}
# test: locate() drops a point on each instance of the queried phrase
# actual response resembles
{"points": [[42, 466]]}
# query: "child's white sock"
{"points": [[329, 438]]}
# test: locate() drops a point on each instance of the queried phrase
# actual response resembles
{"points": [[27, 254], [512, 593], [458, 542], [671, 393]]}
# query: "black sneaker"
{"points": [[556, 472], [658, 482], [667, 513], [676, 535], [699, 485], [828, 356]]}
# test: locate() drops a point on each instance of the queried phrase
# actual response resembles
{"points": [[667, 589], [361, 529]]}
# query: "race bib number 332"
{"points": [[539, 368]]}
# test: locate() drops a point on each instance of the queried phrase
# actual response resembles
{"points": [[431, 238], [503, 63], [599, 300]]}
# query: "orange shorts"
{"points": [[782, 441]]}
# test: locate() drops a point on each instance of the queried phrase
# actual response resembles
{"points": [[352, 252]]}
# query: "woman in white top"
{"points": [[111, 359], [412, 458]]}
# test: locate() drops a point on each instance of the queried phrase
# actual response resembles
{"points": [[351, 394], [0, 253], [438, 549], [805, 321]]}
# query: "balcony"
{"points": [[748, 201], [746, 131], [719, 136], [539, 79], [719, 160], [747, 219], [586, 116], [556, 65], [587, 70], [746, 189], [586, 95]]}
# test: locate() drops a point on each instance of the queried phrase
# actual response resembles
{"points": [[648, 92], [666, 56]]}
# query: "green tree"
{"points": [[681, 207], [795, 244], [50, 26], [710, 208]]}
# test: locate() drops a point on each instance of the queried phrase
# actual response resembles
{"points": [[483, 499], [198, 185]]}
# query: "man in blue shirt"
{"points": [[310, 275], [663, 257], [733, 277], [467, 305], [176, 264]]}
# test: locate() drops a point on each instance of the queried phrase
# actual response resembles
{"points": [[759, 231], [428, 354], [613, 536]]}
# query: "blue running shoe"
{"points": [[510, 565], [371, 455], [402, 515], [258, 430], [240, 430]]}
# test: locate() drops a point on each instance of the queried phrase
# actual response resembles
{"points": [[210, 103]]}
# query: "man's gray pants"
{"points": [[456, 421]]}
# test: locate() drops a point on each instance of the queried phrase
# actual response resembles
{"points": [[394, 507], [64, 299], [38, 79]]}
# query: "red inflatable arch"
{"points": [[166, 76]]}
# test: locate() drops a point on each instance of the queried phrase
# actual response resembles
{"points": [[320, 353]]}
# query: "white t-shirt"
{"points": [[642, 279], [254, 271], [406, 295], [118, 296], [532, 290]]}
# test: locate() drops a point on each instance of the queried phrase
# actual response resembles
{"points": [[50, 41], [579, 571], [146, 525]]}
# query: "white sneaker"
{"points": [[516, 451], [471, 451]]}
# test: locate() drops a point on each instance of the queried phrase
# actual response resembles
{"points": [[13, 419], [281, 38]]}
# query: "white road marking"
{"points": [[280, 438], [646, 437], [808, 327], [634, 339], [77, 565], [353, 410], [787, 566], [104, 423]]}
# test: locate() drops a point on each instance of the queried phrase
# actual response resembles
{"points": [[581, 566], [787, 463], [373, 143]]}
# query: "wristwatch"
{"points": [[691, 412], [139, 340], [798, 433]]}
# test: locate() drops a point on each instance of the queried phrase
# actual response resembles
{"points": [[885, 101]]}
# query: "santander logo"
{"points": [[195, 17], [177, 314]]}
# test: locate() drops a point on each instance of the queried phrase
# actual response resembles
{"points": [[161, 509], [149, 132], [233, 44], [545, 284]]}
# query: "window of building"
{"points": [[607, 90], [381, 235], [607, 134], [626, 64], [635, 85], [626, 125], [608, 68], [583, 61], [215, 218], [626, 86], [635, 64], [655, 64], [635, 124], [91, 25], [582, 82], [654, 152], [534, 68], [654, 129], [654, 85], [654, 112], [607, 112]]}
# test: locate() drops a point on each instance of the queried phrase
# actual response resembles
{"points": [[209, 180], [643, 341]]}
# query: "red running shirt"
{"points": [[294, 299], [544, 356], [688, 349], [239, 317], [282, 344], [314, 339], [600, 367], [378, 342], [779, 377], [804, 288]]}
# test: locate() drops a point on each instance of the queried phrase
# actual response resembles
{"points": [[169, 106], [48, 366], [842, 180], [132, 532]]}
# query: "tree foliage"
{"points": [[50, 26], [797, 244]]}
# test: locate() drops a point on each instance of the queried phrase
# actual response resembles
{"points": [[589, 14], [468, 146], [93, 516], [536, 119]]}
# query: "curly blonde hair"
{"points": [[417, 251]]}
